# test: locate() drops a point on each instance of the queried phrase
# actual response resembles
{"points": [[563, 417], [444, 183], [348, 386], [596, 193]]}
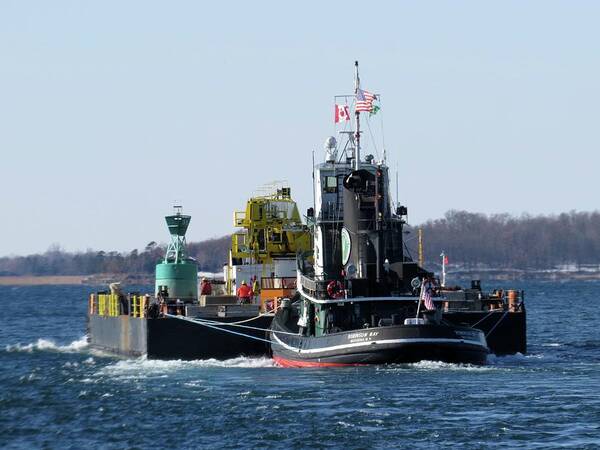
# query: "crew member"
{"points": [[205, 287], [245, 293]]}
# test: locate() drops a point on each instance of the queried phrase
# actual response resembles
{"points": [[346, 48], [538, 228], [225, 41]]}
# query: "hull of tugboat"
{"points": [[381, 345]]}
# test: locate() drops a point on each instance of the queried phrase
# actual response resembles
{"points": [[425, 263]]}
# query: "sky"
{"points": [[111, 111]]}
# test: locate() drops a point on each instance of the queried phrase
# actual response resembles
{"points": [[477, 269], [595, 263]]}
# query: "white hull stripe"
{"points": [[381, 342]]}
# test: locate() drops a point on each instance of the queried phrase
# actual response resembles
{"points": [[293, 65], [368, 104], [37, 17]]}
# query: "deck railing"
{"points": [[114, 305], [278, 283]]}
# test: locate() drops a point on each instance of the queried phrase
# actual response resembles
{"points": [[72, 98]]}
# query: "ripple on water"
{"points": [[62, 393]]}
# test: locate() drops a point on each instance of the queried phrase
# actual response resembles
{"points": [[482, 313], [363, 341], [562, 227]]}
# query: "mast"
{"points": [[357, 113]]}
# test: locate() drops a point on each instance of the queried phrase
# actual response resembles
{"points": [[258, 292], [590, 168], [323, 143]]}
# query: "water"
{"points": [[57, 393]]}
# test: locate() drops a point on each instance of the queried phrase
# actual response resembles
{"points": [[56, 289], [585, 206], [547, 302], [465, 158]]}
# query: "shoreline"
{"points": [[70, 280], [30, 280], [129, 279]]}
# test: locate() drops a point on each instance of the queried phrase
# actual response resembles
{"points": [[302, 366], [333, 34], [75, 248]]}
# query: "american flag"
{"points": [[364, 101], [426, 295]]}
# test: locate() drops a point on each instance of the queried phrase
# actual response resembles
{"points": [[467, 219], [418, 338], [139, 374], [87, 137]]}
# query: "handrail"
{"points": [[138, 306], [278, 283], [108, 305], [308, 283]]}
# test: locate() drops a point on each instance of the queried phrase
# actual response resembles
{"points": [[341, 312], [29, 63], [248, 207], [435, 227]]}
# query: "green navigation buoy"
{"points": [[178, 273]]}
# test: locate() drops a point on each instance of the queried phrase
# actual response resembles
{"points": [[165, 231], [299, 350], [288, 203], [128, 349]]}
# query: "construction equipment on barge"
{"points": [[164, 325]]}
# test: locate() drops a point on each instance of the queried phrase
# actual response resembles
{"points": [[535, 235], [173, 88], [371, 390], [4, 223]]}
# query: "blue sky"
{"points": [[112, 111]]}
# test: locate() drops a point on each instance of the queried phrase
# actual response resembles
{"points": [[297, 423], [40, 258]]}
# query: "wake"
{"points": [[49, 345], [155, 366]]}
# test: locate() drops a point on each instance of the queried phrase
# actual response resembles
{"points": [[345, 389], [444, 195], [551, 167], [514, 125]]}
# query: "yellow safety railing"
{"points": [[239, 217], [138, 305], [108, 305]]}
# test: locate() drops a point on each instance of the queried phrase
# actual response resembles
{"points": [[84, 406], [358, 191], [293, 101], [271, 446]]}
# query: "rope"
{"points": [[497, 323], [479, 321], [254, 318], [219, 329], [222, 324], [372, 136]]}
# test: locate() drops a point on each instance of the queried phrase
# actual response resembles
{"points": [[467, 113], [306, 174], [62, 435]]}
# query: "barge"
{"points": [[178, 322]]}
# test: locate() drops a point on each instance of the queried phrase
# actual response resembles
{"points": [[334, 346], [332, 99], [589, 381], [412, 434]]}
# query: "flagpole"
{"points": [[420, 298], [314, 193], [357, 113], [443, 255]]}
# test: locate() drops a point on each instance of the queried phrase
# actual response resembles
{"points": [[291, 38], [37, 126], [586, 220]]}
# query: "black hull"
{"points": [[168, 338], [381, 345], [176, 339], [506, 332]]}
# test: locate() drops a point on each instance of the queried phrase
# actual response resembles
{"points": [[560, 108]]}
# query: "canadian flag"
{"points": [[342, 113]]}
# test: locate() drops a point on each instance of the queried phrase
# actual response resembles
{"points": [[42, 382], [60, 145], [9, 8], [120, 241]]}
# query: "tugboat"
{"points": [[362, 299]]}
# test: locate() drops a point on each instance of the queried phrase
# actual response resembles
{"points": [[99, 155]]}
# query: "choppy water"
{"points": [[57, 393]]}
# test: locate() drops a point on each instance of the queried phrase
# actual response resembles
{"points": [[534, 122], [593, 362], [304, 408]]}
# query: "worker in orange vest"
{"points": [[245, 293]]}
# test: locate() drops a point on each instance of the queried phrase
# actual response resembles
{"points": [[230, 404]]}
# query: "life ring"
{"points": [[335, 289], [415, 283]]}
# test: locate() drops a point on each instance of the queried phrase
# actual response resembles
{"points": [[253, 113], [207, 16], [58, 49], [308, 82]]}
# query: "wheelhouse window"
{"points": [[331, 184]]}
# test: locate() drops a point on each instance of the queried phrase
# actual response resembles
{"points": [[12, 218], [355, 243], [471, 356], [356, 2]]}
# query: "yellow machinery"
{"points": [[265, 248], [272, 228]]}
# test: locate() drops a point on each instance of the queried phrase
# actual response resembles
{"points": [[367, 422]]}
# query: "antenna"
{"points": [[357, 113], [313, 177], [397, 197]]}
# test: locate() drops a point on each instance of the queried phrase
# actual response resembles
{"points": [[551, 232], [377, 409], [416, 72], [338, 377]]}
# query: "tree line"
{"points": [[504, 241], [469, 239], [210, 255]]}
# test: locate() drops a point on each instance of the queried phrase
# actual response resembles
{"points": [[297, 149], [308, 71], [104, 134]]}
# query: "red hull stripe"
{"points": [[292, 363]]}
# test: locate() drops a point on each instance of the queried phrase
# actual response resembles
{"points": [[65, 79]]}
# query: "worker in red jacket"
{"points": [[205, 287], [245, 293]]}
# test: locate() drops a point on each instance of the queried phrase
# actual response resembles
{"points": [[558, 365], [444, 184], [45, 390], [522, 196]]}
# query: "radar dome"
{"points": [[330, 143], [330, 149]]}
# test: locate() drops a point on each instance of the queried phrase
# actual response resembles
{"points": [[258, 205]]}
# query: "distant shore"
{"points": [[520, 275], [128, 279], [88, 280], [26, 280]]}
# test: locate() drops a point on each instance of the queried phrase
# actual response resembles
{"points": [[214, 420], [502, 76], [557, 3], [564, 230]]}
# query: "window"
{"points": [[330, 184]]}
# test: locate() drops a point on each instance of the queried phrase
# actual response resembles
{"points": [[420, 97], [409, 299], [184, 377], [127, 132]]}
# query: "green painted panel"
{"points": [[346, 246], [181, 279]]}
